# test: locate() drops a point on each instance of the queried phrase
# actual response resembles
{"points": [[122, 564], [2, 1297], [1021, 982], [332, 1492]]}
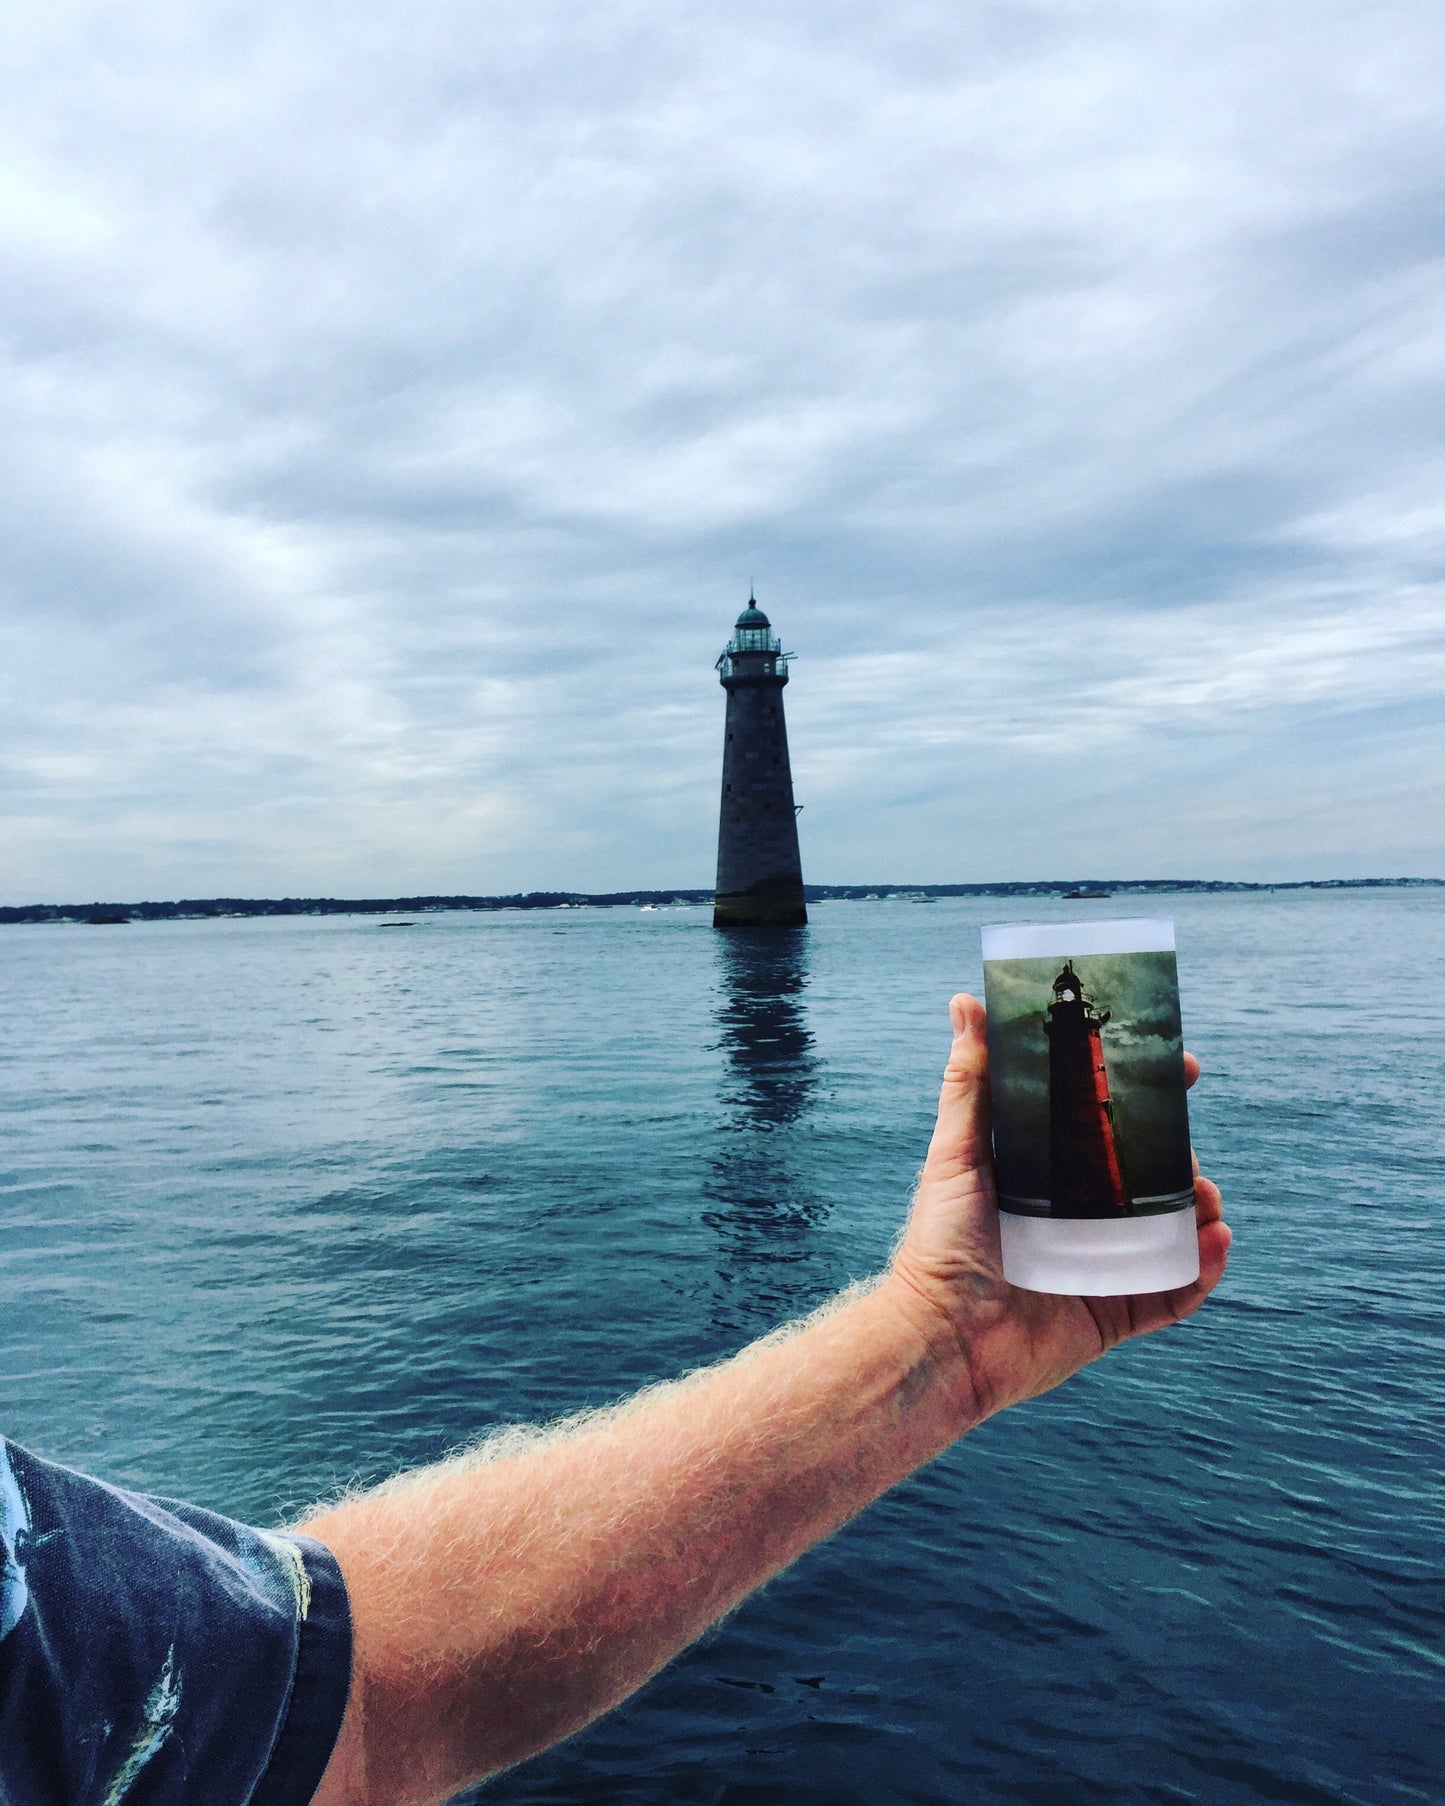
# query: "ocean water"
{"points": [[289, 1204]]}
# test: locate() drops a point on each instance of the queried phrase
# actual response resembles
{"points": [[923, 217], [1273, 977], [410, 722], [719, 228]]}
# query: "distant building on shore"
{"points": [[759, 868]]}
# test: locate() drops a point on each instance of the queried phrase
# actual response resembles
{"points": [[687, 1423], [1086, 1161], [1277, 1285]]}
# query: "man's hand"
{"points": [[1015, 1344]]}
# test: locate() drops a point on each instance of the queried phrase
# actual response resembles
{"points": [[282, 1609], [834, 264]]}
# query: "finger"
{"points": [[1215, 1240], [961, 1134], [1191, 1069], [965, 1013], [1208, 1204], [1160, 1309]]}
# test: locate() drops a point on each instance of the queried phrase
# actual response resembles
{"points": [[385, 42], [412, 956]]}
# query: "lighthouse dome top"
{"points": [[754, 653]]}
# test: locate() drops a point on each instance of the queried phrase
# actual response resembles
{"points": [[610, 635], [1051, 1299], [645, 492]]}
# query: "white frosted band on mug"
{"points": [[1098, 1259], [1065, 940]]}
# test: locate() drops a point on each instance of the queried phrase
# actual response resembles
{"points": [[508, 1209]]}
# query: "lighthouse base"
{"points": [[1090, 1258], [758, 910]]}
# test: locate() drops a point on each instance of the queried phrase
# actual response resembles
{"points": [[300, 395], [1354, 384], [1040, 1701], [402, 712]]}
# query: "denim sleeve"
{"points": [[153, 1654]]}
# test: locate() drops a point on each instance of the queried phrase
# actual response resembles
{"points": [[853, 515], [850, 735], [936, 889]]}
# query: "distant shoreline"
{"points": [[203, 908]]}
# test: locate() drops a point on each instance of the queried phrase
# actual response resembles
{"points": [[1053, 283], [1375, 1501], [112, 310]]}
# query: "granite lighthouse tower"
{"points": [[759, 870]]}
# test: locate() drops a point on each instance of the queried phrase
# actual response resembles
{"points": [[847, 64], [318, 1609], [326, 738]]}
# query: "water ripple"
{"points": [[288, 1204]]}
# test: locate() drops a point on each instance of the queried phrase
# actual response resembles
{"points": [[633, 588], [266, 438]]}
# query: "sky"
{"points": [[396, 405]]}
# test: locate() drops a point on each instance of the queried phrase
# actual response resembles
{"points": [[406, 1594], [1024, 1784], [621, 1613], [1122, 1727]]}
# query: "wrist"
{"points": [[937, 1360]]}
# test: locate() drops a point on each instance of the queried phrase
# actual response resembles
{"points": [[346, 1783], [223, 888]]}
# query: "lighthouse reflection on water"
{"points": [[766, 1198]]}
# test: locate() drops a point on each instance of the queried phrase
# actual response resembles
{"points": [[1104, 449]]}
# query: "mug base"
{"points": [[1094, 1258]]}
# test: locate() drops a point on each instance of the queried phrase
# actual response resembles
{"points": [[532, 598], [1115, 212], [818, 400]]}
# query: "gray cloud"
{"points": [[396, 410]]}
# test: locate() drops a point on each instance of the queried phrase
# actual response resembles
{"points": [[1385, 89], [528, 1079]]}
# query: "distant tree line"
{"points": [[191, 908]]}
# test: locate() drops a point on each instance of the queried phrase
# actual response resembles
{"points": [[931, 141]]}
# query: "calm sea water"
{"points": [[294, 1203]]}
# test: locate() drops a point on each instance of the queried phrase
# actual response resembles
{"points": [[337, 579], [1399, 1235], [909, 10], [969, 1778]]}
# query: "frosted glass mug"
{"points": [[1090, 1118]]}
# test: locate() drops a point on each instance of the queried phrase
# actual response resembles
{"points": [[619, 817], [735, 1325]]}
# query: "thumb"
{"points": [[962, 1135]]}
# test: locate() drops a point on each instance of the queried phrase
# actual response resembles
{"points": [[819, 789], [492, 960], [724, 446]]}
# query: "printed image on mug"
{"points": [[1090, 1122], [1088, 1093]]}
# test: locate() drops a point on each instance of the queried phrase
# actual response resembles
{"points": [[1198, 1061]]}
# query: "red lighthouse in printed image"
{"points": [[1085, 1179]]}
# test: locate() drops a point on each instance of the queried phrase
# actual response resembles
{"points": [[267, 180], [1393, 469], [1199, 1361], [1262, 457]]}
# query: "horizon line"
{"points": [[543, 899]]}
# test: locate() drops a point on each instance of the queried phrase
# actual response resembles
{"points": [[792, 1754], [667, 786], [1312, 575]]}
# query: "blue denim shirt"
{"points": [[155, 1654]]}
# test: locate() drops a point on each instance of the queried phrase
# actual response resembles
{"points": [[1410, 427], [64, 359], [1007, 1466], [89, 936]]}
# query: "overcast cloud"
{"points": [[397, 403]]}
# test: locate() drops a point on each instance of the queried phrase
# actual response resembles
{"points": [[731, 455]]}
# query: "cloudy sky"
{"points": [[397, 402]]}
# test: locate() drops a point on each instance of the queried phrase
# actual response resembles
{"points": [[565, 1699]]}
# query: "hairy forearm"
{"points": [[500, 1603]]}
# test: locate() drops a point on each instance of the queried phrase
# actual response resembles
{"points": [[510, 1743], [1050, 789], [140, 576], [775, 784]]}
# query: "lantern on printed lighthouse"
{"points": [[1085, 1178]]}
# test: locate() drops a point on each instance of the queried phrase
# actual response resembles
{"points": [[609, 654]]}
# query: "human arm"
{"points": [[500, 1603]]}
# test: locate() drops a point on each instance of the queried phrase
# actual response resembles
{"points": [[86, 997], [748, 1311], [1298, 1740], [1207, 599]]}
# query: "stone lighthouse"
{"points": [[1085, 1178], [759, 871]]}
